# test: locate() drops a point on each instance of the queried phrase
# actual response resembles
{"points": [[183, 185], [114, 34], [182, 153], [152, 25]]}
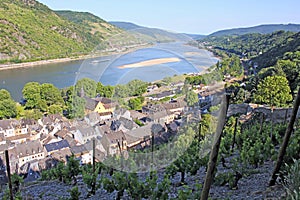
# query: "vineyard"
{"points": [[247, 150]]}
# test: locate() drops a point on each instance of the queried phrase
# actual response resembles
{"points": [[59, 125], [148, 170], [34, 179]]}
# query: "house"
{"points": [[56, 146], [105, 116], [113, 142], [121, 112], [137, 115], [27, 152], [99, 150], [164, 116], [17, 139], [92, 118], [7, 127], [103, 129], [152, 108], [48, 139], [62, 155], [100, 105], [160, 96], [142, 135], [123, 124], [84, 133], [175, 106], [62, 134], [82, 153]]}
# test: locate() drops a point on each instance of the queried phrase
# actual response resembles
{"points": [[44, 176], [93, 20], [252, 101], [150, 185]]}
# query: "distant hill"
{"points": [[270, 57], [195, 36], [263, 29], [158, 35], [126, 25], [31, 31]]}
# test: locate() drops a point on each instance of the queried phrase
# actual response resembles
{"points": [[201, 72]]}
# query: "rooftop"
{"points": [[57, 145]]}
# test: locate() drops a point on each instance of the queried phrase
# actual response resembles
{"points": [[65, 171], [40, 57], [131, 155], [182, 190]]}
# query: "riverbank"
{"points": [[65, 60]]}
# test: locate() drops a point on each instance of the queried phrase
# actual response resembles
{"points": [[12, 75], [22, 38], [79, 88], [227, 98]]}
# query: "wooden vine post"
{"points": [[286, 139], [215, 149], [8, 175]]}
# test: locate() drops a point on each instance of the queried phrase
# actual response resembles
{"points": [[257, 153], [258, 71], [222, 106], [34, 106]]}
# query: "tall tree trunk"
{"points": [[286, 139], [215, 149]]}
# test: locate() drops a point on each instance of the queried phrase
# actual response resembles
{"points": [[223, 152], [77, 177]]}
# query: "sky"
{"points": [[188, 16]]}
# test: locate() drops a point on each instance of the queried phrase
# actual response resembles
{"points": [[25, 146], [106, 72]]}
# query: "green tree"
{"points": [[292, 71], [88, 85], [51, 94], [33, 114], [55, 109], [75, 107], [136, 103], [105, 91], [274, 91], [32, 94], [191, 98], [8, 107], [137, 87]]}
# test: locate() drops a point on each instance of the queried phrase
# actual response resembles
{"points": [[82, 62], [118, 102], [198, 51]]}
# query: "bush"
{"points": [[292, 181]]}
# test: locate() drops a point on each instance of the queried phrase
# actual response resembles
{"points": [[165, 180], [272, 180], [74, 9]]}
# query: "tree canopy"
{"points": [[7, 105], [274, 91]]}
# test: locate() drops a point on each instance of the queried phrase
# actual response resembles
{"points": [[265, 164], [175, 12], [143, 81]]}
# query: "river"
{"points": [[179, 58]]}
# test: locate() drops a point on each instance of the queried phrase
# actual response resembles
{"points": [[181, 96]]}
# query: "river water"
{"points": [[106, 69]]}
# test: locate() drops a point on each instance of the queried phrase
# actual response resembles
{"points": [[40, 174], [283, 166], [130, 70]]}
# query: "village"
{"points": [[36, 145]]}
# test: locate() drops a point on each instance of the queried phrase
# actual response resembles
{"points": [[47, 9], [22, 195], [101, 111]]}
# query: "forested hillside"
{"points": [[31, 31], [249, 45]]}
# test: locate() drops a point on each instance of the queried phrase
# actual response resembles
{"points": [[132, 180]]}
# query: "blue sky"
{"points": [[189, 16]]}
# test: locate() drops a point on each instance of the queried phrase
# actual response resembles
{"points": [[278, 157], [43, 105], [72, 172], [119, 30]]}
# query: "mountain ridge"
{"points": [[263, 29]]}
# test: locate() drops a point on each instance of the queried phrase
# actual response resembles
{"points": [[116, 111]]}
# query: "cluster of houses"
{"points": [[38, 144]]}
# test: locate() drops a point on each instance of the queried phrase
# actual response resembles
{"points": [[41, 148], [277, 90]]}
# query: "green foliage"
{"points": [[74, 193], [86, 85], [132, 88], [64, 173], [55, 109], [8, 107], [32, 33], [248, 45], [50, 94], [291, 67], [274, 91], [191, 98], [105, 91], [292, 180], [75, 107], [138, 122], [32, 94], [45, 97], [136, 103], [32, 114]]}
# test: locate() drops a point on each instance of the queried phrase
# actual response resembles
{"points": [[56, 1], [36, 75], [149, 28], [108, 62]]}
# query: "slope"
{"points": [[30, 31]]}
